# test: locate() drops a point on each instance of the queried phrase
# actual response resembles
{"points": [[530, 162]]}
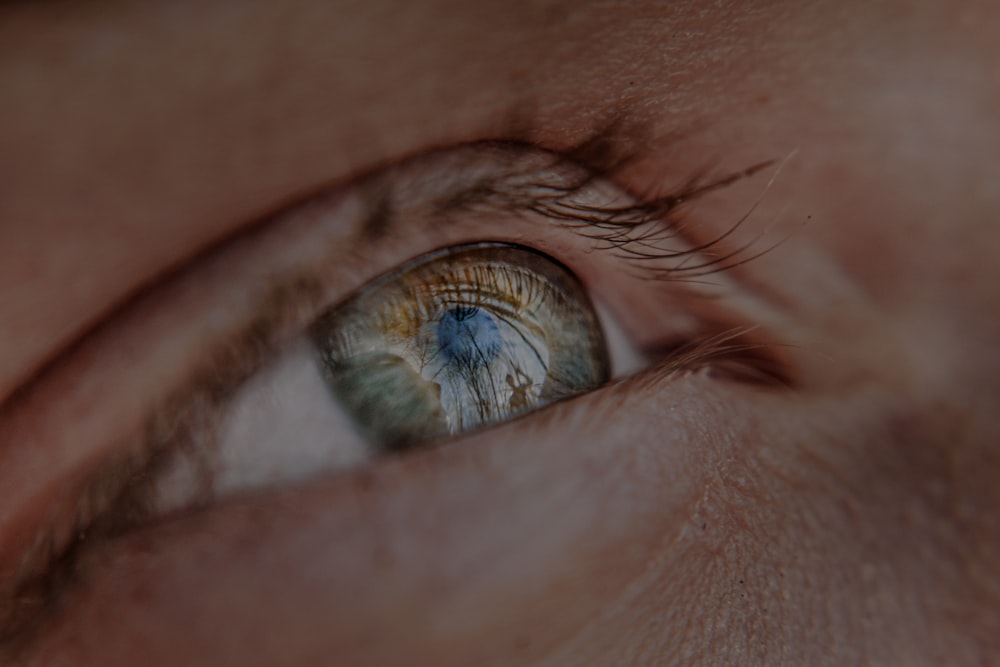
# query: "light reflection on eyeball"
{"points": [[460, 338]]}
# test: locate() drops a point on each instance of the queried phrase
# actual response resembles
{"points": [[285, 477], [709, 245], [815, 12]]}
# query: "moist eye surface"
{"points": [[457, 339]]}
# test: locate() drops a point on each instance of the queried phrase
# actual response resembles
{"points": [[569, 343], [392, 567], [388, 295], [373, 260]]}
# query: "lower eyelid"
{"points": [[578, 490]]}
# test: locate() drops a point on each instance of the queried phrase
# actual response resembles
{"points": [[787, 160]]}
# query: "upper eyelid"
{"points": [[221, 371], [563, 190]]}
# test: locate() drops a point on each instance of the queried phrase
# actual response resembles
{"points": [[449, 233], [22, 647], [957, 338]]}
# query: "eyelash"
{"points": [[635, 232]]}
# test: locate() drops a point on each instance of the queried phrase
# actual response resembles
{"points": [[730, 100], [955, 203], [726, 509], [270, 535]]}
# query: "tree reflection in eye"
{"points": [[461, 338]]}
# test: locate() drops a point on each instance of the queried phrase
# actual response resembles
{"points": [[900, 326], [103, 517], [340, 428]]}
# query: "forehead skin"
{"points": [[135, 135]]}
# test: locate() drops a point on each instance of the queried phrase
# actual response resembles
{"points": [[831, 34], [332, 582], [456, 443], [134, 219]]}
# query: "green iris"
{"points": [[457, 339]]}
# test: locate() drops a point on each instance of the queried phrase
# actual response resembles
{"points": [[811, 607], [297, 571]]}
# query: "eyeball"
{"points": [[457, 339]]}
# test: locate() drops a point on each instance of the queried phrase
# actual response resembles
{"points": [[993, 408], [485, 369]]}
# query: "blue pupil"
{"points": [[468, 337]]}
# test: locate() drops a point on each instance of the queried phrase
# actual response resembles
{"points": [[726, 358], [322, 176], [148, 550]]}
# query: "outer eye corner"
{"points": [[623, 356]]}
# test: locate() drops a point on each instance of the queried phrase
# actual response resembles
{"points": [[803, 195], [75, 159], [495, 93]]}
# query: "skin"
{"points": [[664, 520]]}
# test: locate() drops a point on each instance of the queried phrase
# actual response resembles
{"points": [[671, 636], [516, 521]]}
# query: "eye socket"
{"points": [[457, 339], [239, 403]]}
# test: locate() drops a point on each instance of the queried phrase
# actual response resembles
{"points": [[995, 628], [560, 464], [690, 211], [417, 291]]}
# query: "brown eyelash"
{"points": [[733, 354], [111, 503], [638, 232]]}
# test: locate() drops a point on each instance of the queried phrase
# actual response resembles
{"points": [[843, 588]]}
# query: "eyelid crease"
{"points": [[114, 495], [635, 230]]}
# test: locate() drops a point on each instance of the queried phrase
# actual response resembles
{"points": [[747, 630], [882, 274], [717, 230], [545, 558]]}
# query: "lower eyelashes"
{"points": [[457, 339]]}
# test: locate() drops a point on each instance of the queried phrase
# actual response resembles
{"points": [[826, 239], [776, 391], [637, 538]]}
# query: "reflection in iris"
{"points": [[460, 338]]}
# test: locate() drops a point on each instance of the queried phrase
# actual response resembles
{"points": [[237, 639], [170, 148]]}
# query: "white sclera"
{"points": [[282, 426]]}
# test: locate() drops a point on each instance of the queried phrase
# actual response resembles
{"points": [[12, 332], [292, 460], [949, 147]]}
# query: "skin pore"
{"points": [[665, 519]]}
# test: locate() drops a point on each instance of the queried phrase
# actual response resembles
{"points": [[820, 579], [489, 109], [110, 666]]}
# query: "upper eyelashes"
{"points": [[645, 233]]}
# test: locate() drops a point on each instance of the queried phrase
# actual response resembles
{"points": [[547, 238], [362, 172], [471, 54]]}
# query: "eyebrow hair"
{"points": [[116, 497]]}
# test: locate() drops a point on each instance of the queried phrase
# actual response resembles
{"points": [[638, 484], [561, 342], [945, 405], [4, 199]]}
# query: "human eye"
{"points": [[457, 339], [414, 306]]}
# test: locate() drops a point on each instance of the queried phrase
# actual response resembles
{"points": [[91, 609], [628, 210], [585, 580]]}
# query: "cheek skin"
{"points": [[841, 541]]}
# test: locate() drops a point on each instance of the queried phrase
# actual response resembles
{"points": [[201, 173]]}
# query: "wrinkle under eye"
{"points": [[460, 338]]}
